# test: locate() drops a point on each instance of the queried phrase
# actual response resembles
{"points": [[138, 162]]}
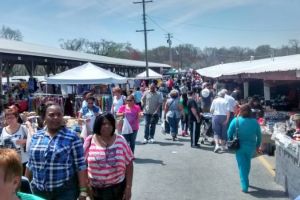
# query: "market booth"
{"points": [[277, 80], [288, 156], [152, 75], [89, 74]]}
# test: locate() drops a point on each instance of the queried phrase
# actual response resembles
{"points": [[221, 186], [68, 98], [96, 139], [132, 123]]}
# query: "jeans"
{"points": [[173, 122], [67, 192], [150, 124], [160, 112], [130, 138]]}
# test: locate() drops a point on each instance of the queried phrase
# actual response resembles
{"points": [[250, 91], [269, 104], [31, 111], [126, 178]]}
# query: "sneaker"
{"points": [[217, 149], [225, 148], [151, 141], [145, 141]]}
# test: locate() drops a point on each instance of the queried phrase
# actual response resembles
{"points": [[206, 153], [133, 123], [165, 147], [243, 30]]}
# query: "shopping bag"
{"points": [[163, 131], [126, 129], [84, 131], [119, 125]]}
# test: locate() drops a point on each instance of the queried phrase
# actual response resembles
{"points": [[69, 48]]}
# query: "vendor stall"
{"points": [[152, 75], [288, 157]]}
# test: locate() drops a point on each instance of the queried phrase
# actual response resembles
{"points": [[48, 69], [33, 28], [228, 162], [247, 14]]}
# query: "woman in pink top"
{"points": [[109, 159], [132, 112]]}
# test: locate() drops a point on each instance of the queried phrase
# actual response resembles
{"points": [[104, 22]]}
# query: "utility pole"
{"points": [[145, 32], [1, 89], [169, 41]]}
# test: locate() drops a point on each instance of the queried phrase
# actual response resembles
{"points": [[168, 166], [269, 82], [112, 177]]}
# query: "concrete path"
{"points": [[168, 170]]}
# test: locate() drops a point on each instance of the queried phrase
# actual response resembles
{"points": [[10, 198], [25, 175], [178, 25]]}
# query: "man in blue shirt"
{"points": [[56, 163]]}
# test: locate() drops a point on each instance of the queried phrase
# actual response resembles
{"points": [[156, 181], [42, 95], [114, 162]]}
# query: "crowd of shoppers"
{"points": [[60, 165]]}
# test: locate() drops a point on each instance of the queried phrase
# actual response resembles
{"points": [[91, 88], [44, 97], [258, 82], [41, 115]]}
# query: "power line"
{"points": [[234, 28], [159, 26], [163, 29]]}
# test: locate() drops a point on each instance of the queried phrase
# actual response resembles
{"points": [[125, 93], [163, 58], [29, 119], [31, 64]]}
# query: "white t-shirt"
{"points": [[231, 102], [21, 133], [117, 103], [219, 106], [92, 116]]}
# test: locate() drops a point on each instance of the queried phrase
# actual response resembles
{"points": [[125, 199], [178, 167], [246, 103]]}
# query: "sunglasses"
{"points": [[129, 99]]}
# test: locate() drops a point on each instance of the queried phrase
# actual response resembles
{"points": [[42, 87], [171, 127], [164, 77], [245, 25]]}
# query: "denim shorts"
{"points": [[220, 130]]}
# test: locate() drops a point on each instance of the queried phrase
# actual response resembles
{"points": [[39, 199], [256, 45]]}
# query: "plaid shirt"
{"points": [[53, 161]]}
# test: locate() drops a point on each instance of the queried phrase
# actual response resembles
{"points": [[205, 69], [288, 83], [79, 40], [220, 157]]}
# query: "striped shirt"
{"points": [[53, 161], [107, 166]]}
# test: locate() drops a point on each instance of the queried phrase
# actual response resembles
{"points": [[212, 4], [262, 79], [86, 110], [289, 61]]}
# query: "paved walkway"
{"points": [[172, 170]]}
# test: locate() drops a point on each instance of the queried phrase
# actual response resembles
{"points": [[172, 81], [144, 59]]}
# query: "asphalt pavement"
{"points": [[168, 170]]}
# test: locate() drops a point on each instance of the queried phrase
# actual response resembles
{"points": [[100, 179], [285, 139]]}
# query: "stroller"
{"points": [[206, 132]]}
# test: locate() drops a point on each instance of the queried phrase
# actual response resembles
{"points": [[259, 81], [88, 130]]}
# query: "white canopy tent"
{"points": [[152, 75], [86, 74]]}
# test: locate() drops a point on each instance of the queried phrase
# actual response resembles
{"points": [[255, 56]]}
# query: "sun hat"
{"points": [[205, 93]]}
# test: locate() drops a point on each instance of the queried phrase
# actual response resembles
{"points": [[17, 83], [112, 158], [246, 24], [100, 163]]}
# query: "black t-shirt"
{"points": [[192, 104]]}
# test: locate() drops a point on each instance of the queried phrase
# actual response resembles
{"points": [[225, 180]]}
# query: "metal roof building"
{"points": [[285, 68], [16, 52]]}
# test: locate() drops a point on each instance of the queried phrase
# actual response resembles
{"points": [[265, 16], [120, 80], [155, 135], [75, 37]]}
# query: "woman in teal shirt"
{"points": [[249, 134]]}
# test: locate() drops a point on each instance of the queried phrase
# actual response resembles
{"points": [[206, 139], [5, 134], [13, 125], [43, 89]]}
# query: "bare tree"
{"points": [[295, 45], [11, 34], [74, 44]]}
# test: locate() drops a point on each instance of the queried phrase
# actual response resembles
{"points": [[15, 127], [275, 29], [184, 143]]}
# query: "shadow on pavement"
{"points": [[168, 143], [180, 139], [160, 143], [263, 193], [148, 161]]}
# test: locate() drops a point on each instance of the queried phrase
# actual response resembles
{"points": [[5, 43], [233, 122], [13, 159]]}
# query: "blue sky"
{"points": [[203, 23]]}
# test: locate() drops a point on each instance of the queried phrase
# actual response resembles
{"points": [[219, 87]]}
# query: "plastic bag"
{"points": [[163, 131], [84, 131], [119, 125], [126, 129]]}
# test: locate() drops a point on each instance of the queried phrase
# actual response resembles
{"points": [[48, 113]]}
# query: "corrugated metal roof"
{"points": [[23, 48], [284, 63]]}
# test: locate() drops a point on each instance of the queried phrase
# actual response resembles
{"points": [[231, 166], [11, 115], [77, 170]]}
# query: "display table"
{"points": [[268, 145], [288, 165]]}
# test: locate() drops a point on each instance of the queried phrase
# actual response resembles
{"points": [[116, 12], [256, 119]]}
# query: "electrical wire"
{"points": [[235, 28]]}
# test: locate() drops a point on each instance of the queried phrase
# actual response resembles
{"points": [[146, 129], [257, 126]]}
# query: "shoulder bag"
{"points": [[235, 143]]}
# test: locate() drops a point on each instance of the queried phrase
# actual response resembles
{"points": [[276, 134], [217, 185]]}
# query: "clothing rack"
{"points": [[36, 100]]}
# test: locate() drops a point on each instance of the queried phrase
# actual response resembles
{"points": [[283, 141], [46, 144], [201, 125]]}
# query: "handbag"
{"points": [[235, 143]]}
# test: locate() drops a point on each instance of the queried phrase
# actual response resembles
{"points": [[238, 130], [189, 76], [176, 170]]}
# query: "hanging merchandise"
{"points": [[40, 99]]}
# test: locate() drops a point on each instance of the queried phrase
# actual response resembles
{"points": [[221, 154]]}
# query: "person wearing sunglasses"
{"points": [[89, 113], [132, 113], [14, 135], [109, 160]]}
